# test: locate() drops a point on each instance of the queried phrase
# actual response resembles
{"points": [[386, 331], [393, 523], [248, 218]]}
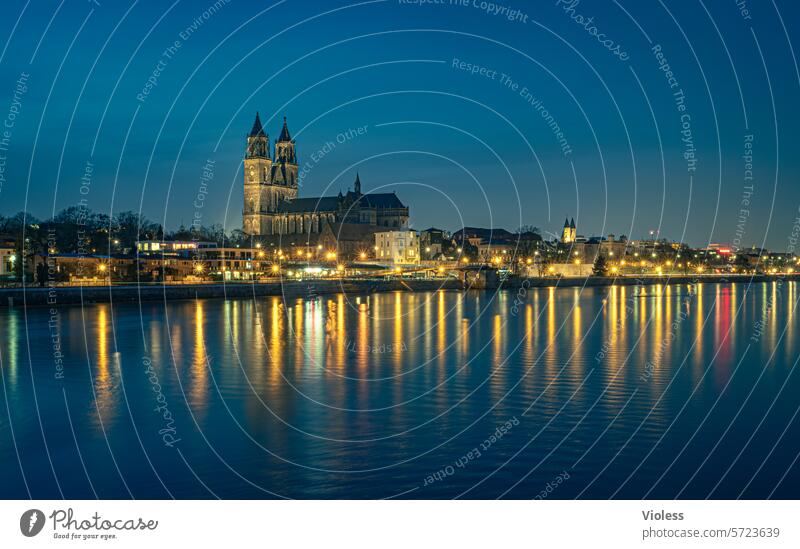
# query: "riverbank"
{"points": [[34, 296]]}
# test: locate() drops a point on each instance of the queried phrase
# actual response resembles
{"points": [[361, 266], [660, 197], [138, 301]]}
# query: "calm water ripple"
{"points": [[660, 392]]}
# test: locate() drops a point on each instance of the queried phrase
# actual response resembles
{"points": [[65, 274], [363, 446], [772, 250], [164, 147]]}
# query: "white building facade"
{"points": [[397, 247]]}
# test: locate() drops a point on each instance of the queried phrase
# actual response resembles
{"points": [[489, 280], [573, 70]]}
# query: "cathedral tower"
{"points": [[268, 182], [284, 170], [257, 168], [570, 232]]}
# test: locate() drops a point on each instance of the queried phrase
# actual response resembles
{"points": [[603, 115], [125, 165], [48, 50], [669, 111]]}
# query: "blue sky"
{"points": [[458, 148]]}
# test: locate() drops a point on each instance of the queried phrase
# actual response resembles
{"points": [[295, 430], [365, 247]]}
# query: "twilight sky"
{"points": [[680, 117]]}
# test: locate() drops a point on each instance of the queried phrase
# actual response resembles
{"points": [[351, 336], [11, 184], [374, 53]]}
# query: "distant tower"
{"points": [[569, 232], [257, 167], [357, 187]]}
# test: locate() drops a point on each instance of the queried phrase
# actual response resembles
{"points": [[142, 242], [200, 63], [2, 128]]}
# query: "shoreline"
{"points": [[35, 296]]}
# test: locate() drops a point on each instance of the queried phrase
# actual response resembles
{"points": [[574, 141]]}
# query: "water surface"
{"points": [[627, 392]]}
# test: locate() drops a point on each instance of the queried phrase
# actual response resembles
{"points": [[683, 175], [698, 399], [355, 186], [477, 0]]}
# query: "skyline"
{"points": [[466, 135]]}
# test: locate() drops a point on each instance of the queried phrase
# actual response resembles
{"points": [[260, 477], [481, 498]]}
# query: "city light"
{"points": [[275, 268], [363, 255]]}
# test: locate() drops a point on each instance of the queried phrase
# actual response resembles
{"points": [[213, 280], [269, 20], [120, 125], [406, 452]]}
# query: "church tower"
{"points": [[268, 182], [257, 168], [570, 232], [284, 170]]}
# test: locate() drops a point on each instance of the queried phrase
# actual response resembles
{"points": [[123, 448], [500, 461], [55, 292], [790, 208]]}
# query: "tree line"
{"points": [[80, 230]]}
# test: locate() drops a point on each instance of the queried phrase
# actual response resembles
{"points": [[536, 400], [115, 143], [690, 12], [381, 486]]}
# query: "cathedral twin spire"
{"points": [[258, 143]]}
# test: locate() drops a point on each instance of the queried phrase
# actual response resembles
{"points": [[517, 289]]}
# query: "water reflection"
{"points": [[199, 377], [105, 379], [377, 382]]}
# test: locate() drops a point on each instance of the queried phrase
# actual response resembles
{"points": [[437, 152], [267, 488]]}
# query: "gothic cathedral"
{"points": [[272, 206]]}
